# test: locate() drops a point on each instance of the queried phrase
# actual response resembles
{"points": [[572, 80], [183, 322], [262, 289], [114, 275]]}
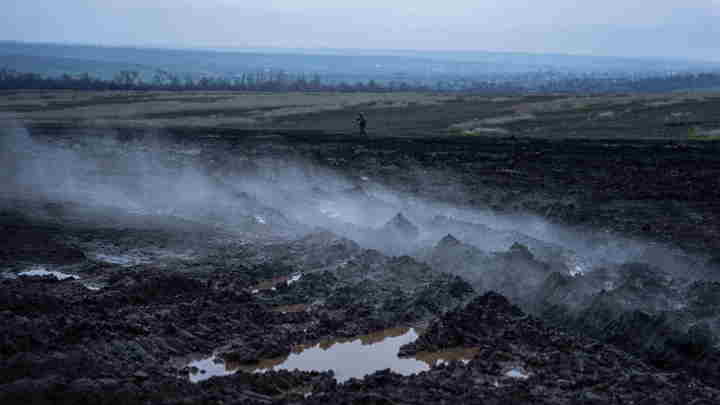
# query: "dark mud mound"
{"points": [[400, 227], [148, 285], [460, 328], [272, 387], [452, 255], [181, 255], [668, 321], [25, 241], [491, 239], [680, 337], [517, 273], [522, 361], [63, 343], [372, 291], [314, 251], [39, 294]]}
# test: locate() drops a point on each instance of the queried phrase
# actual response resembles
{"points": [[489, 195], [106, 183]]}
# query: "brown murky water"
{"points": [[348, 358]]}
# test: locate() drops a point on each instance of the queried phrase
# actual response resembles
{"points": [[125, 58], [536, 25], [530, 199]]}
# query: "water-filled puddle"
{"points": [[273, 283], [517, 373], [294, 278], [122, 260], [348, 358]]}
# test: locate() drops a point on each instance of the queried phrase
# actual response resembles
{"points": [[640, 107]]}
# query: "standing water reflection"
{"points": [[348, 358]]}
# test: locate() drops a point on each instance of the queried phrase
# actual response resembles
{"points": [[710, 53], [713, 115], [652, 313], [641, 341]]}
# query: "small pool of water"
{"points": [[273, 283], [42, 271], [517, 373], [122, 260], [294, 278], [348, 358]]}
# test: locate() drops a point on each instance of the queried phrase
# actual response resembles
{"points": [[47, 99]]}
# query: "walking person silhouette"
{"points": [[361, 122]]}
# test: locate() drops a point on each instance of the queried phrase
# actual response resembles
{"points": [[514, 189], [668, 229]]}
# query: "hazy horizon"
{"points": [[615, 28], [349, 51]]}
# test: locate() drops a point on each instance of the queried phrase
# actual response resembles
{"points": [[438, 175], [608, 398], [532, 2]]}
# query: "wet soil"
{"points": [[628, 314]]}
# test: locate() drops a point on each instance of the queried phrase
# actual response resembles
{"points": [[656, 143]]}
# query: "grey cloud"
{"points": [[611, 27]]}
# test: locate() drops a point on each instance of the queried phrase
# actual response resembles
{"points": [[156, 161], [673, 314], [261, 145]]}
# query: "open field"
{"points": [[565, 246], [670, 116]]}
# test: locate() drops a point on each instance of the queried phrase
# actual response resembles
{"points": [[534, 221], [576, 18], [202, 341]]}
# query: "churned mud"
{"points": [[220, 266]]}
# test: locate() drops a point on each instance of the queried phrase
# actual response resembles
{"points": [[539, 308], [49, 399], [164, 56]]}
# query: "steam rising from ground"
{"points": [[265, 190]]}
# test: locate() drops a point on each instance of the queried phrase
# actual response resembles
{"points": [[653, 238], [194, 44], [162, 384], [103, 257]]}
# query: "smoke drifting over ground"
{"points": [[266, 222], [101, 171], [267, 191], [272, 186]]}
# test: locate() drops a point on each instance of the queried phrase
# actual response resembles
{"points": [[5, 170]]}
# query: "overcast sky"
{"points": [[667, 28]]}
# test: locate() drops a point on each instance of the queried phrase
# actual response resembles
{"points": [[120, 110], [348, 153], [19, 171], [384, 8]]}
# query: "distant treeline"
{"points": [[283, 82], [658, 84], [162, 80]]}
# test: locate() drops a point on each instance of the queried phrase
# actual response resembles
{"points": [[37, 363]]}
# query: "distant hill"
{"points": [[56, 66], [333, 65], [557, 61]]}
